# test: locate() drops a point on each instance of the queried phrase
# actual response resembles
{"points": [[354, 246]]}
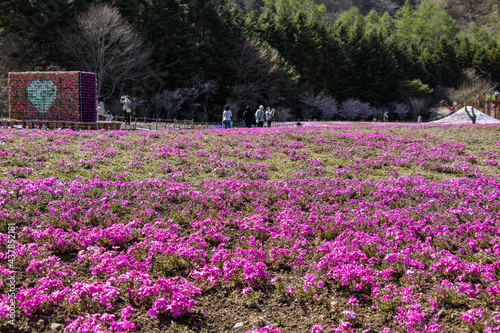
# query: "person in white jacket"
{"points": [[259, 116], [226, 117]]}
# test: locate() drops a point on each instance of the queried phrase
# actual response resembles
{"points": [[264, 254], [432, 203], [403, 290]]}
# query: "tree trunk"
{"points": [[472, 114]]}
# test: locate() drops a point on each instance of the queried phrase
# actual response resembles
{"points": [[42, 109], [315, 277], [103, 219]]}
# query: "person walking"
{"points": [[259, 116], [248, 117], [127, 108], [226, 117]]}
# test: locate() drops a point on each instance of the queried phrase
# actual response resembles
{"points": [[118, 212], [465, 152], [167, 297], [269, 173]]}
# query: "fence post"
{"points": [[192, 123], [175, 122]]}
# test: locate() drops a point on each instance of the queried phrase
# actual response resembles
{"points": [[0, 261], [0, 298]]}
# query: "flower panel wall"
{"points": [[67, 96]]}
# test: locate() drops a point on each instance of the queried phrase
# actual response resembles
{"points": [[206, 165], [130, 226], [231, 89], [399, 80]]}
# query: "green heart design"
{"points": [[42, 94]]}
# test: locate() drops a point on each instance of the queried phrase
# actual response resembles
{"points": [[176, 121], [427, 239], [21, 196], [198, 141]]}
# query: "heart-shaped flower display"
{"points": [[42, 94]]}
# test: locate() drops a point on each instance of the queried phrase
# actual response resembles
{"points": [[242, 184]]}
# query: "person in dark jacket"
{"points": [[248, 117]]}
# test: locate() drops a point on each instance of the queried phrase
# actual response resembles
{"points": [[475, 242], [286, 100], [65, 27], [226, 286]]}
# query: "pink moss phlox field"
{"points": [[331, 216]]}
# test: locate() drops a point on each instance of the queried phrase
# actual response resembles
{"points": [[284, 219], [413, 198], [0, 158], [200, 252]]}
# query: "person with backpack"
{"points": [[226, 117], [248, 117], [259, 116]]}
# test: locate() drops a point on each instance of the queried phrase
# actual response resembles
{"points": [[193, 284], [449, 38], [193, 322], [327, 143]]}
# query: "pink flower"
{"points": [[349, 314], [125, 313], [317, 329], [472, 316]]}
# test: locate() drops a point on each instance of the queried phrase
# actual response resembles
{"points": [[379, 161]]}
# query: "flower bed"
{"points": [[355, 229]]}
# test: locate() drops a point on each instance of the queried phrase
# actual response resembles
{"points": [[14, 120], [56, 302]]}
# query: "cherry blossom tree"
{"points": [[328, 108], [352, 109], [167, 103], [400, 110], [283, 114]]}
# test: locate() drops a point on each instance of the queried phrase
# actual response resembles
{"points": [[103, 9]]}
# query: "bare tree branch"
{"points": [[471, 89], [418, 105], [207, 89], [167, 103], [101, 41], [258, 74]]}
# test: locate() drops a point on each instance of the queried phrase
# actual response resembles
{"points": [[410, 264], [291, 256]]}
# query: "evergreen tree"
{"points": [[494, 62], [35, 25], [312, 9], [404, 22], [373, 22], [357, 56], [251, 24], [216, 39], [448, 67], [431, 66], [479, 34], [465, 53], [132, 11], [333, 61], [425, 24], [388, 25], [432, 22], [236, 20], [169, 32], [410, 60], [305, 55], [487, 62], [268, 30], [287, 30], [383, 75], [350, 17]]}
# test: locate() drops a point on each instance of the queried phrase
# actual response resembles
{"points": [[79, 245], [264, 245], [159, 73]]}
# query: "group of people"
{"points": [[101, 111], [102, 114], [258, 117]]}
